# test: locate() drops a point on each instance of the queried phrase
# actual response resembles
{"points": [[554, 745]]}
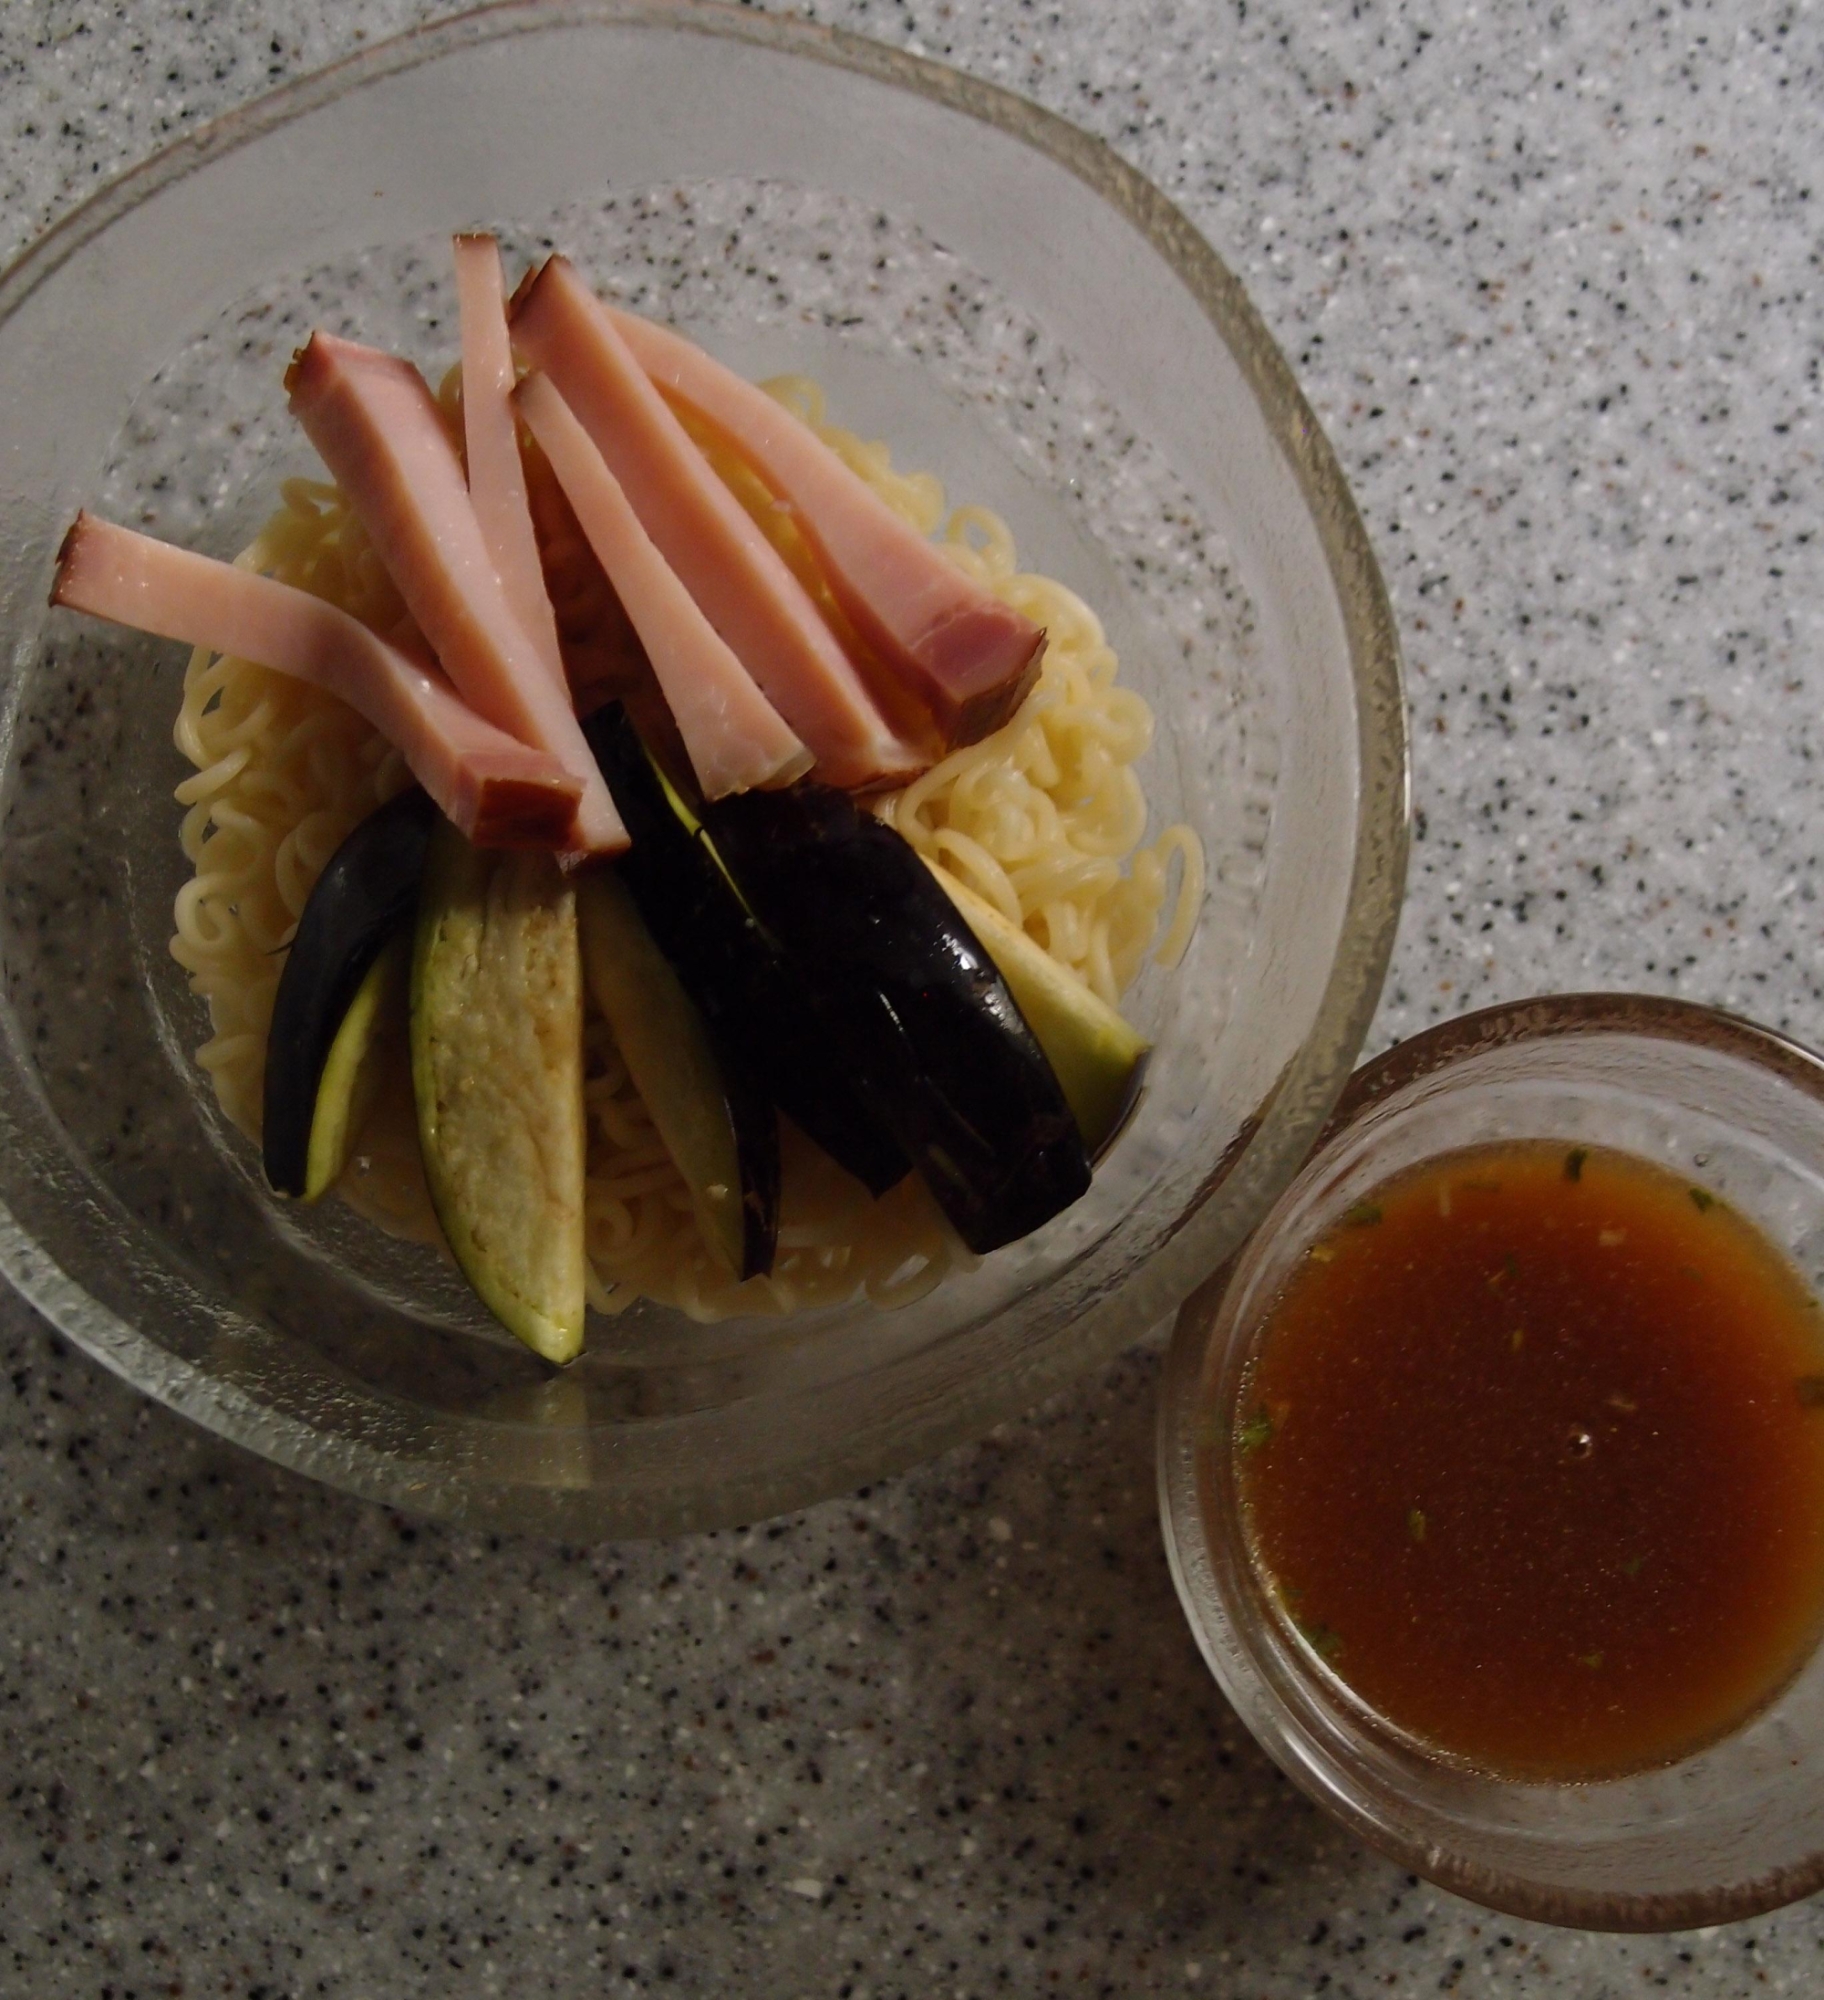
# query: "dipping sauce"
{"points": [[1532, 1454]]}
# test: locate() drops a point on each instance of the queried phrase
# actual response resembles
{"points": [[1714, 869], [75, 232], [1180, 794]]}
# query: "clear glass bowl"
{"points": [[985, 287], [1732, 1830]]}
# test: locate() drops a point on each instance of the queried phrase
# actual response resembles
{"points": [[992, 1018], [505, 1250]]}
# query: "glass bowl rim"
{"points": [[1435, 1051], [1269, 1147]]}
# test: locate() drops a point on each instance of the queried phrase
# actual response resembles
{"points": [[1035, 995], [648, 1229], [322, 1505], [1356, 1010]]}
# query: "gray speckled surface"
{"points": [[1549, 275]]}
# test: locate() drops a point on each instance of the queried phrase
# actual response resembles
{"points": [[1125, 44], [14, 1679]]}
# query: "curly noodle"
{"points": [[1044, 819]]}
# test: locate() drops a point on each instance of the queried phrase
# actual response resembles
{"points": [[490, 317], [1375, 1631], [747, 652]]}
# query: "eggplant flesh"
{"points": [[722, 1135], [355, 1069], [497, 1073], [364, 897], [919, 1010], [765, 1021]]}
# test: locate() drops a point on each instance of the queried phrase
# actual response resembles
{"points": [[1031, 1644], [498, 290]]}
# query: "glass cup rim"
{"points": [[1384, 1081], [1657, 1015], [1268, 1148]]}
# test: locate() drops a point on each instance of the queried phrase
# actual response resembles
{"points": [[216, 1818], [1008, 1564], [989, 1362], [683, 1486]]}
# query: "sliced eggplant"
{"points": [[363, 897], [497, 1071], [723, 1135], [353, 1074], [1097, 1058], [764, 1022], [915, 1002]]}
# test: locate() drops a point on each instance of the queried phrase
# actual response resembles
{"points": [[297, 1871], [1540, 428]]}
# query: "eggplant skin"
{"points": [[363, 898], [768, 1030], [1099, 1060], [756, 1124], [922, 1013]]}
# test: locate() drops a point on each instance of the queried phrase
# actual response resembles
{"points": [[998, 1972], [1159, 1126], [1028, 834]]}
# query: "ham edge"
{"points": [[496, 789], [968, 657], [497, 477], [735, 575], [373, 420], [733, 736]]}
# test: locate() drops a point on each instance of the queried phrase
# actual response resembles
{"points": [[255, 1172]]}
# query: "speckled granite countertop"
{"points": [[1549, 275]]}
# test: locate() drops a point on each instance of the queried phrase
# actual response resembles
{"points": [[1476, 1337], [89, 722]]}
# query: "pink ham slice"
{"points": [[499, 792], [373, 420], [736, 576], [732, 733], [968, 657], [497, 478]]}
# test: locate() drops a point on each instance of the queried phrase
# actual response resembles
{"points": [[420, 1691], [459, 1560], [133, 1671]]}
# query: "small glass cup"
{"points": [[1731, 1830]]}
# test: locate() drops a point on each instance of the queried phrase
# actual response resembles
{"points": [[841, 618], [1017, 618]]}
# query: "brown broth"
{"points": [[1532, 1452]]}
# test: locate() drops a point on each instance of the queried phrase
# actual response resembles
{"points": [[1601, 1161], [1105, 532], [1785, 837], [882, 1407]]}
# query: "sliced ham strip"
{"points": [[497, 478], [736, 576], [373, 420], [968, 657], [732, 733], [499, 792], [601, 650]]}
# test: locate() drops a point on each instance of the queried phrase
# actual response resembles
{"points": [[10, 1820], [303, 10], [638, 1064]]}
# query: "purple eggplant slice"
{"points": [[363, 898]]}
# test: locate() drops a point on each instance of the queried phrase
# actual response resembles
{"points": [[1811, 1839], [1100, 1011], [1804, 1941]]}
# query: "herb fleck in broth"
{"points": [[1534, 1439]]}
